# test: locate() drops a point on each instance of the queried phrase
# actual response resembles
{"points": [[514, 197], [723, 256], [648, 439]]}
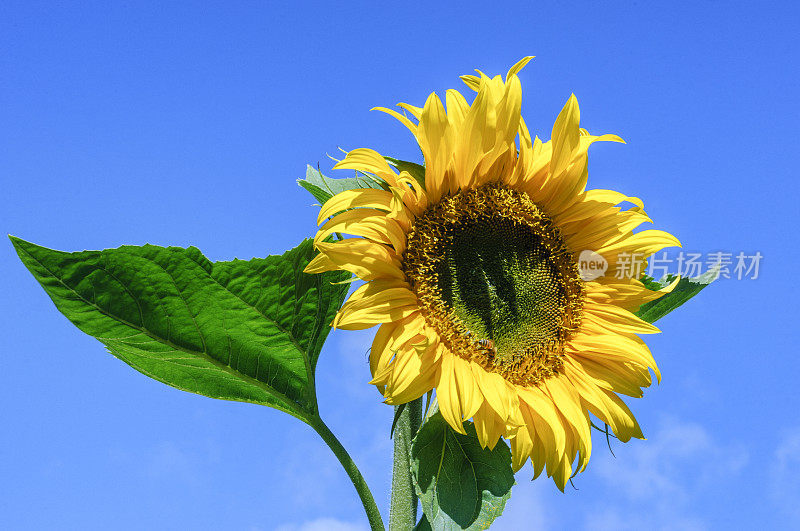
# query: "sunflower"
{"points": [[471, 269]]}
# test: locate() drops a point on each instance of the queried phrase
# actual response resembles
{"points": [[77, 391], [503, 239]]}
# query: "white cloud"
{"points": [[785, 475], [527, 509], [324, 524], [654, 482]]}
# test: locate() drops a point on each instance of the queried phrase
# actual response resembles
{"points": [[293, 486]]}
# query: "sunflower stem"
{"points": [[403, 503], [373, 514]]}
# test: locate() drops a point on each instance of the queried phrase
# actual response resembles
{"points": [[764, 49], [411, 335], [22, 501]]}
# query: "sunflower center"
{"points": [[495, 279]]}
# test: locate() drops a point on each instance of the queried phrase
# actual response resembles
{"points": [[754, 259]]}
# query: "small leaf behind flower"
{"points": [[248, 331], [417, 171], [682, 292], [460, 484], [323, 188]]}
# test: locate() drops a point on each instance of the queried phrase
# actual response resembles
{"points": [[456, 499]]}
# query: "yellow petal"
{"points": [[565, 136], [537, 170], [434, 138], [568, 403], [602, 229], [447, 395], [379, 301], [389, 337], [626, 348], [457, 108], [642, 243], [488, 426], [413, 195], [628, 293], [399, 212], [368, 161], [538, 457], [608, 374], [368, 223], [362, 198], [519, 65], [413, 330], [508, 116], [410, 364], [320, 264], [616, 319], [521, 449], [570, 181], [416, 112], [365, 259], [612, 197], [421, 384], [472, 82], [600, 402], [494, 389], [468, 390], [561, 474], [403, 119], [539, 411], [468, 149]]}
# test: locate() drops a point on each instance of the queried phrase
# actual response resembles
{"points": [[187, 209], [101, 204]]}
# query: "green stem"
{"points": [[373, 514], [403, 506]]}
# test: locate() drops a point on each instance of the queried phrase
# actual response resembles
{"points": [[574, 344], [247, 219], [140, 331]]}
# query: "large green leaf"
{"points": [[249, 331], [323, 188], [682, 292], [460, 484]]}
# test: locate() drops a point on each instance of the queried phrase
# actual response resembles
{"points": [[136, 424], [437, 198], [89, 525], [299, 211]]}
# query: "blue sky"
{"points": [[188, 124]]}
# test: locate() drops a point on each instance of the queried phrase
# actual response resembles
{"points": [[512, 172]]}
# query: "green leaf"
{"points": [[323, 188], [683, 291], [417, 171], [460, 484], [249, 331]]}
